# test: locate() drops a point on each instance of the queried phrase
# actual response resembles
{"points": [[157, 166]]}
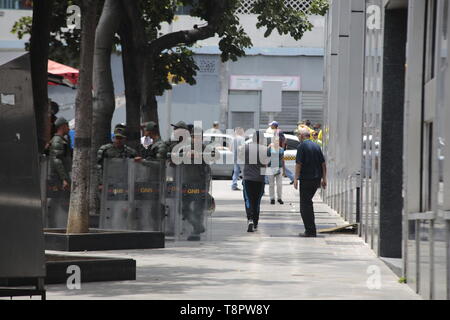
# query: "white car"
{"points": [[224, 167], [290, 153]]}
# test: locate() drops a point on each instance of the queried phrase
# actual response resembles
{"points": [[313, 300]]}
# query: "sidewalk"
{"points": [[273, 263]]}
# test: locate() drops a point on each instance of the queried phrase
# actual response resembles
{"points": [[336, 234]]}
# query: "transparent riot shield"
{"points": [[147, 193], [196, 206], [57, 200], [172, 199], [114, 202]]}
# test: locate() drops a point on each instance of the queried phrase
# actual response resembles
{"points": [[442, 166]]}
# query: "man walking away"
{"points": [[311, 172], [256, 160]]}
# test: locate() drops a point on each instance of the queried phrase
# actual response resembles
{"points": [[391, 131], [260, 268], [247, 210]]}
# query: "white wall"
{"points": [[311, 39]]}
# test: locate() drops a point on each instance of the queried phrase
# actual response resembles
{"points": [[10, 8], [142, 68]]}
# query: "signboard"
{"points": [[271, 96], [248, 82]]}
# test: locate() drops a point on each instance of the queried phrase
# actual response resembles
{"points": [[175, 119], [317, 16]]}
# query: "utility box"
{"points": [[21, 235]]}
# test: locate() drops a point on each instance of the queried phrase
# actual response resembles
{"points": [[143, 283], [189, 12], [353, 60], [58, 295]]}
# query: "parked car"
{"points": [[225, 166]]}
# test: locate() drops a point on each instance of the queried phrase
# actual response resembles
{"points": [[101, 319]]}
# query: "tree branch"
{"points": [[188, 37]]}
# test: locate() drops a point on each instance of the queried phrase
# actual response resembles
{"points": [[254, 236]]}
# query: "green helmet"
{"points": [[120, 132], [151, 126], [181, 125], [60, 121]]}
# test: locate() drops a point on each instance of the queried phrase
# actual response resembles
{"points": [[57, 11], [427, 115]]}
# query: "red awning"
{"points": [[59, 69]]}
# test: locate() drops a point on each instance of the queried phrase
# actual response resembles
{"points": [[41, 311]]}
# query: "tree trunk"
{"points": [[132, 36], [149, 105], [78, 221], [104, 99], [132, 89], [40, 37]]}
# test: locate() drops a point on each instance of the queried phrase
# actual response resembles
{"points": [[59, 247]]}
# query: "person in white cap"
{"points": [[215, 128]]}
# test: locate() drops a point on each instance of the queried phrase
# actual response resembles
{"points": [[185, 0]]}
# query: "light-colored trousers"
{"points": [[278, 180]]}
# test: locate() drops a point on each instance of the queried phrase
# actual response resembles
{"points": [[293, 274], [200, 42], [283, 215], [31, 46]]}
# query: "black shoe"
{"points": [[250, 226], [255, 226], [292, 182], [272, 201], [280, 201], [307, 235], [236, 189]]}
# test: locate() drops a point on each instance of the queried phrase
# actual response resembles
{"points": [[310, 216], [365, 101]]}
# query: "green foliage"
{"points": [[154, 13], [276, 15], [21, 28], [402, 280], [180, 63], [319, 7]]}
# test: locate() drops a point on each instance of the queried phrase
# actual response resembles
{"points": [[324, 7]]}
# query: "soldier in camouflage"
{"points": [[156, 151], [116, 149], [197, 176], [60, 153]]}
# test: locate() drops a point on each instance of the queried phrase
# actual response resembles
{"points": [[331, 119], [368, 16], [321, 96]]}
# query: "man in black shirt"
{"points": [[311, 171]]}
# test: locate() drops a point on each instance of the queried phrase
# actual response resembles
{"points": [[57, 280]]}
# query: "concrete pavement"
{"points": [[273, 263]]}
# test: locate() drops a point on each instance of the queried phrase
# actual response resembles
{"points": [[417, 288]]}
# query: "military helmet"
{"points": [[181, 125], [120, 126], [120, 132], [60, 121], [151, 126]]}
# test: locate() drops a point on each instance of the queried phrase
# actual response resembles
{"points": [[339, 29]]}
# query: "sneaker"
{"points": [[272, 201], [280, 201], [255, 227], [250, 226], [236, 189], [292, 182]]}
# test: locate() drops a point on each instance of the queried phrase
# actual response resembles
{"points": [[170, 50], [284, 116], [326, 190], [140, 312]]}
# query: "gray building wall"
{"points": [[202, 101]]}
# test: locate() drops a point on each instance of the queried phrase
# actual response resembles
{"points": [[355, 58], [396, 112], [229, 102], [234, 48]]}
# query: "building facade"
{"points": [[387, 110]]}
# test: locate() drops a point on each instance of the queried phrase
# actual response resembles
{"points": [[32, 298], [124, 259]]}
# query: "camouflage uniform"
{"points": [[60, 158], [109, 151], [157, 151], [195, 208]]}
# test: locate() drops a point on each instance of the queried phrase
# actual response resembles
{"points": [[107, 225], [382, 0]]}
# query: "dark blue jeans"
{"points": [[253, 192], [308, 189]]}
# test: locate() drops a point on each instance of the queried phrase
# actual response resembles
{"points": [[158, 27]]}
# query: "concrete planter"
{"points": [[97, 240], [92, 269]]}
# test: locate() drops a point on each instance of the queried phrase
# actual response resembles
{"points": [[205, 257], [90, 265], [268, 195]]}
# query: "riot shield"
{"points": [[147, 193], [172, 199], [114, 201], [194, 221], [132, 195], [57, 200]]}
